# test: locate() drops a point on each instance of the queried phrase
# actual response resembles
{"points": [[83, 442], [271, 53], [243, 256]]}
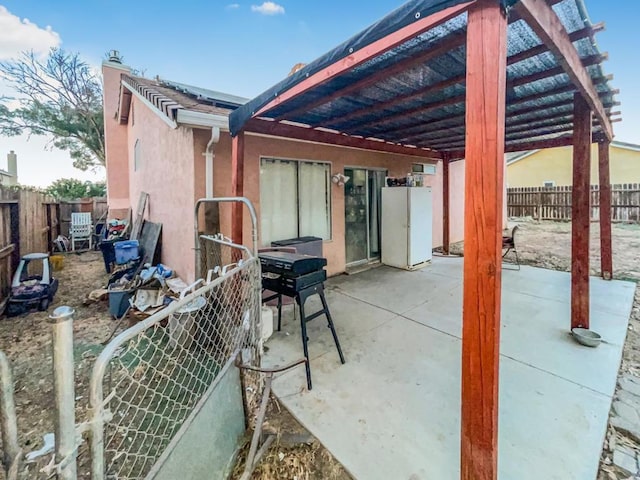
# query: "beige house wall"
{"points": [[555, 164]]}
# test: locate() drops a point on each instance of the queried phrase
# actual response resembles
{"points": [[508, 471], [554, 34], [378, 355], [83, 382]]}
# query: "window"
{"points": [[295, 199], [426, 168], [137, 154], [548, 184]]}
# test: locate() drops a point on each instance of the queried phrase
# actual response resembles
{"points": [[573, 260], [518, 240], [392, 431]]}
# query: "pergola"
{"points": [[454, 79]]}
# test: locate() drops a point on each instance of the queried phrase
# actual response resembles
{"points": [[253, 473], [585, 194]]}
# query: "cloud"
{"points": [[17, 35], [232, 6], [268, 8]]}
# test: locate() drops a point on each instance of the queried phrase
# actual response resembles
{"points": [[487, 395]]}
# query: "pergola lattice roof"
{"points": [[413, 94]]}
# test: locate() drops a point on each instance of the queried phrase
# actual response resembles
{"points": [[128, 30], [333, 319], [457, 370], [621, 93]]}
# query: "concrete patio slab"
{"points": [[393, 410]]}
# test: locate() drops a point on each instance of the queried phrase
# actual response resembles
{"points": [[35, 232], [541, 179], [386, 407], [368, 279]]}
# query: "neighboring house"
{"points": [[157, 134], [553, 166], [10, 176]]}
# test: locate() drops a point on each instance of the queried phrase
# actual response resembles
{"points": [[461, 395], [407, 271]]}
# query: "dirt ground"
{"points": [[27, 342], [548, 245], [295, 454]]}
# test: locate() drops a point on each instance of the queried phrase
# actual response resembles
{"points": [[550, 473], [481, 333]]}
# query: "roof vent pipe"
{"points": [[209, 156]]}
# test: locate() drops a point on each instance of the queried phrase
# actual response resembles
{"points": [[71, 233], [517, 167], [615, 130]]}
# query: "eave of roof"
{"points": [[173, 106], [517, 156], [626, 145]]}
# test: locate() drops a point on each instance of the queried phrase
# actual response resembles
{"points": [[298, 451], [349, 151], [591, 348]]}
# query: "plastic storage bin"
{"points": [[303, 245], [119, 301], [126, 251], [108, 254]]}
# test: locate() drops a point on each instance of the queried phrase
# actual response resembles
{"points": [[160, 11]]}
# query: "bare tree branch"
{"points": [[61, 97]]}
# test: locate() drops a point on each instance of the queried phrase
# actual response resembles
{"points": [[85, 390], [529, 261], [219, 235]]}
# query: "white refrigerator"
{"points": [[406, 226]]}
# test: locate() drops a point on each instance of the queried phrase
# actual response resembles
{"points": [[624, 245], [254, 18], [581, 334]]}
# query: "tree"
{"points": [[60, 96], [72, 188]]}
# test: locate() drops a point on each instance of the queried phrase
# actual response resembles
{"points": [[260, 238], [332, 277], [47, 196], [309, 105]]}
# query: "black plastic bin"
{"points": [[108, 253], [303, 245]]}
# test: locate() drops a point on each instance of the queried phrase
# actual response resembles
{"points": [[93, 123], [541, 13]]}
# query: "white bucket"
{"points": [[266, 323]]}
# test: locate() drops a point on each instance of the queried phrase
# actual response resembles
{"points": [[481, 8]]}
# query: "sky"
{"points": [[242, 48]]}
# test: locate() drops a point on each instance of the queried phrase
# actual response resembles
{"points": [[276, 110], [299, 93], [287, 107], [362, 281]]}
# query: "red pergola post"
{"points": [[445, 205], [580, 212], [606, 254], [237, 186], [484, 184]]}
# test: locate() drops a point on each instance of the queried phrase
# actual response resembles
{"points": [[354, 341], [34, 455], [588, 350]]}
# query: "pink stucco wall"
{"points": [[456, 202], [166, 172], [172, 170], [115, 138], [334, 249]]}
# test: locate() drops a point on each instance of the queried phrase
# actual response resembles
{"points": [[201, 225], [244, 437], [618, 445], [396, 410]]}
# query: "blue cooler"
{"points": [[126, 251]]}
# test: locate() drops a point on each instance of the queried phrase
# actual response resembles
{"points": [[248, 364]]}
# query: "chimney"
{"points": [[115, 134], [115, 57], [12, 167]]}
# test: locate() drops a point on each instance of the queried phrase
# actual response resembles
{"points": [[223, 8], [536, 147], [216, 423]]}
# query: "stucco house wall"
{"points": [[116, 140], [171, 169], [555, 164], [165, 171], [257, 147]]}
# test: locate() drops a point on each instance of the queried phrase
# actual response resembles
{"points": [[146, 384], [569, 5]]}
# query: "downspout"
{"points": [[209, 156]]}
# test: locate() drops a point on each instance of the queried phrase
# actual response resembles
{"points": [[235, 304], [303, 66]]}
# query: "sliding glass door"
{"points": [[363, 213]]}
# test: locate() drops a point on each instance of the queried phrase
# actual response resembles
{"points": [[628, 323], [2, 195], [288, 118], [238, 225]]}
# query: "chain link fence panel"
{"points": [[150, 378]]}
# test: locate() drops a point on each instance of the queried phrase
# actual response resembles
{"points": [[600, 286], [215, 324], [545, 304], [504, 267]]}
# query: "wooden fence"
{"points": [[29, 222], [554, 203], [96, 206]]}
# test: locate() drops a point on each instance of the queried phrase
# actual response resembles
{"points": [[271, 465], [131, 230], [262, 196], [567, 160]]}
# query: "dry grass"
{"points": [[302, 462]]}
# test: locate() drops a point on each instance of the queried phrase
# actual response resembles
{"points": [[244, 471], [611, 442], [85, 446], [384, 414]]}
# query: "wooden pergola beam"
{"points": [[604, 179], [591, 60], [570, 88], [279, 129], [419, 110], [365, 54], [457, 140], [445, 206], [237, 186], [543, 48], [563, 141], [546, 24], [484, 184], [524, 134], [511, 129], [446, 122], [580, 213], [449, 43], [458, 79], [380, 106], [552, 72]]}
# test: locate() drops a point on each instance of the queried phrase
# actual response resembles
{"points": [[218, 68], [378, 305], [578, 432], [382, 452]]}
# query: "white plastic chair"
{"points": [[81, 229]]}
